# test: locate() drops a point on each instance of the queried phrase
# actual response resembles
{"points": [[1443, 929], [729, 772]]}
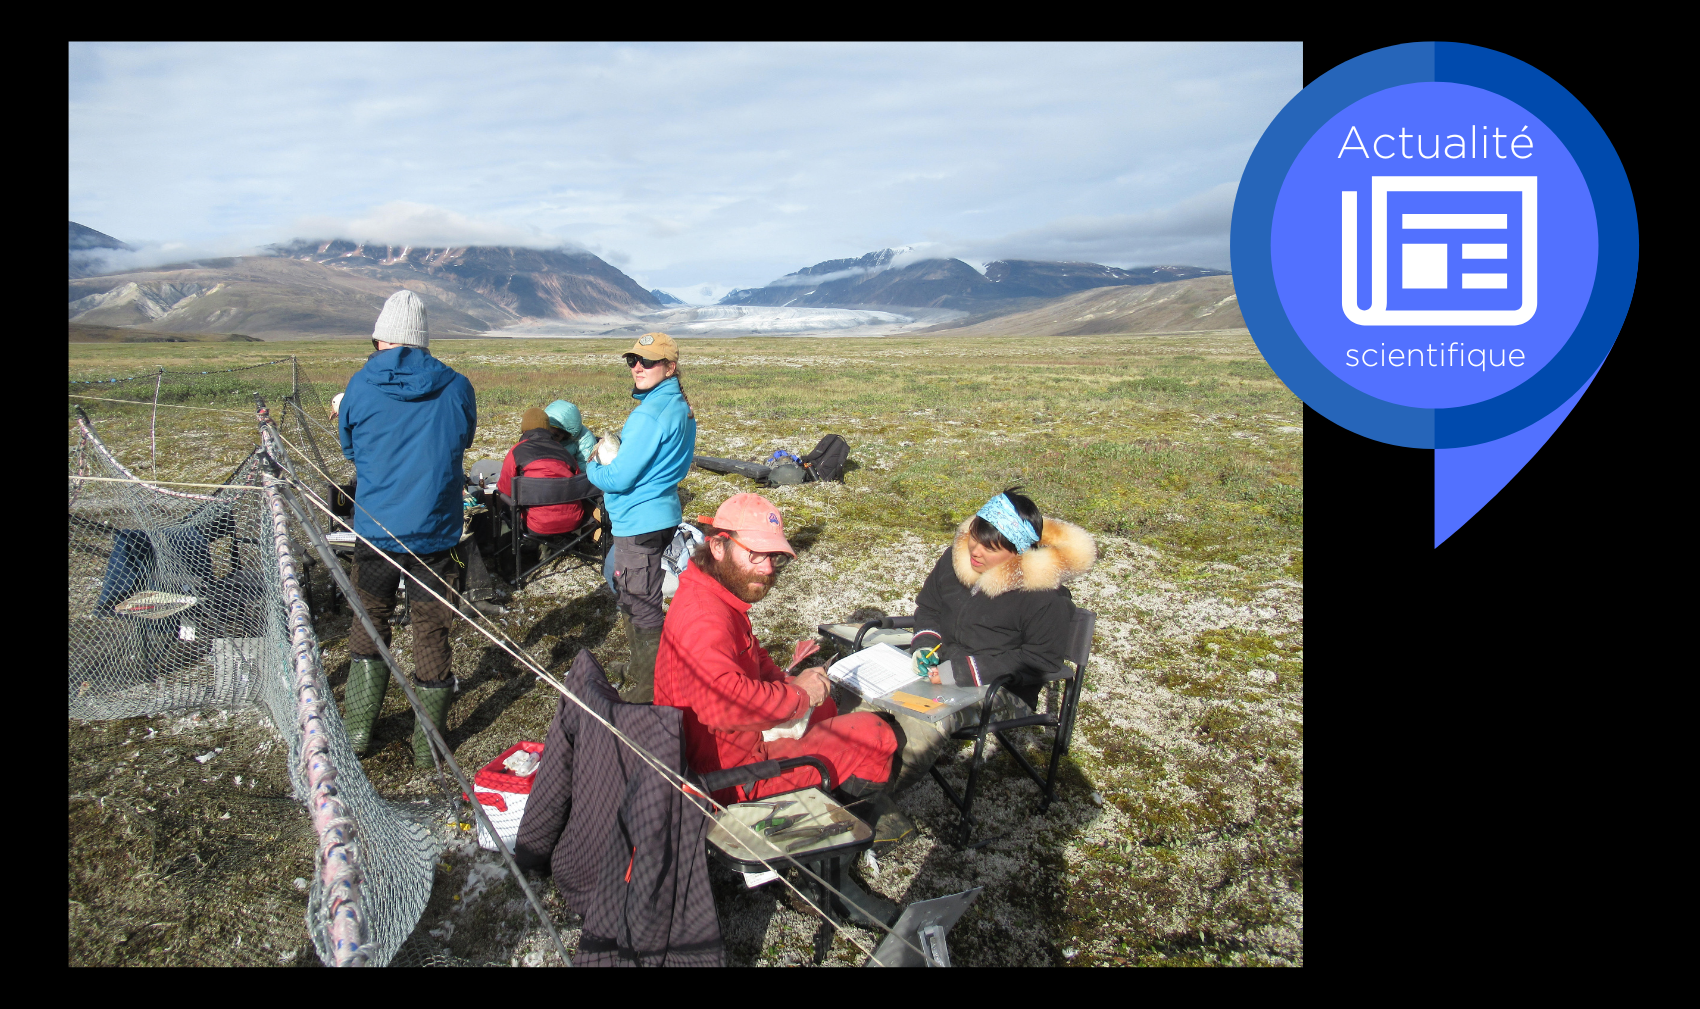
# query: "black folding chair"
{"points": [[587, 543], [849, 637], [832, 853], [1071, 676], [898, 632]]}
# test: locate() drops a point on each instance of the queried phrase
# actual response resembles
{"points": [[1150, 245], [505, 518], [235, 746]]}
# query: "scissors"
{"points": [[774, 823], [808, 835]]}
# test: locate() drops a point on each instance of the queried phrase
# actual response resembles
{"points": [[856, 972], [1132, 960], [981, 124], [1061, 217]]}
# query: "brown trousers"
{"points": [[377, 581]]}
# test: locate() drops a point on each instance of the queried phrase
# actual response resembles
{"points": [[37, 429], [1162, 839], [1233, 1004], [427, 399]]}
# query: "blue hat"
{"points": [[565, 416], [1000, 512]]}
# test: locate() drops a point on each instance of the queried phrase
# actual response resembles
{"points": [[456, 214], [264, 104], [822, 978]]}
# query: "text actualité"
{"points": [[1522, 145]]}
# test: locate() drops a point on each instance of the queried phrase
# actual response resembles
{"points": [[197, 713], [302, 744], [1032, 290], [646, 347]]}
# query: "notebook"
{"points": [[885, 677]]}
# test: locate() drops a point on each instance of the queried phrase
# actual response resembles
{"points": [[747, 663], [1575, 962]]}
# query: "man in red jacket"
{"points": [[710, 665]]}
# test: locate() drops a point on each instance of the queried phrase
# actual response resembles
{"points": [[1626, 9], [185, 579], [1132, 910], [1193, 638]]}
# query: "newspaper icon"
{"points": [[1486, 246]]}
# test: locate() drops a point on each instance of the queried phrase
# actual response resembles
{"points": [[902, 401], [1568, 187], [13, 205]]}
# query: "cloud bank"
{"points": [[683, 164], [416, 224]]}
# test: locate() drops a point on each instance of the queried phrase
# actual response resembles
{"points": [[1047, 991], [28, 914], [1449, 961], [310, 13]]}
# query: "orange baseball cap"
{"points": [[755, 521]]}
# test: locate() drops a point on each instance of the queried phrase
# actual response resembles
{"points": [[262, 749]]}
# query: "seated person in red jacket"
{"points": [[541, 452], [710, 665]]}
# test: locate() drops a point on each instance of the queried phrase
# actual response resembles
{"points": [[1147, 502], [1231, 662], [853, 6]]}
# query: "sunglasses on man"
{"points": [[632, 361], [779, 558]]}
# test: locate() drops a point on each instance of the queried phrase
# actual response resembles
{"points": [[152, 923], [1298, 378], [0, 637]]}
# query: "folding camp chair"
{"points": [[587, 543], [1062, 720], [830, 854], [848, 638], [896, 631]]}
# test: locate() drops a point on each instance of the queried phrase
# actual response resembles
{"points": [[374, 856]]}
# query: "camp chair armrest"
{"points": [[749, 774], [883, 623]]}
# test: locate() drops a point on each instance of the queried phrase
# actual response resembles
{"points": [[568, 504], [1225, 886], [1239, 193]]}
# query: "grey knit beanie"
{"points": [[403, 321]]}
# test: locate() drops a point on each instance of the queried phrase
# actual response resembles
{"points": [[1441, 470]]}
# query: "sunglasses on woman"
{"points": [[632, 361]]}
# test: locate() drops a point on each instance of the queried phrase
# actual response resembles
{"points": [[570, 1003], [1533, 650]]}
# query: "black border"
{"points": [[1520, 583]]}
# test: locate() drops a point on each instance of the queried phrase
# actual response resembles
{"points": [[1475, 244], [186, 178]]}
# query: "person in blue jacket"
{"points": [[640, 487], [405, 423]]}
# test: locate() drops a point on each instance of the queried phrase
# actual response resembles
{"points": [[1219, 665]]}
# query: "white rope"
{"points": [[170, 483], [171, 406]]}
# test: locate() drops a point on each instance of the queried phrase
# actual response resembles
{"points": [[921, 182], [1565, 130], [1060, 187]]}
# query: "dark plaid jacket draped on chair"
{"points": [[625, 846]]}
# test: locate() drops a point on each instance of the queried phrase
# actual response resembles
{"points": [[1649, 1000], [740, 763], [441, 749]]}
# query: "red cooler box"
{"points": [[503, 794]]}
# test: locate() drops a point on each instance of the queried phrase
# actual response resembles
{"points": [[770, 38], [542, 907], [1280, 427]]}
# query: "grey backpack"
{"points": [[787, 474]]}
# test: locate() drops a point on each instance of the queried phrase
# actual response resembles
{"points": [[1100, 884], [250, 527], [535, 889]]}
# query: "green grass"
{"points": [[1182, 454]]}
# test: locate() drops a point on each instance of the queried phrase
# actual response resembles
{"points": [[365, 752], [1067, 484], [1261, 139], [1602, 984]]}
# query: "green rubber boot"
{"points": [[368, 679], [640, 673], [435, 700]]}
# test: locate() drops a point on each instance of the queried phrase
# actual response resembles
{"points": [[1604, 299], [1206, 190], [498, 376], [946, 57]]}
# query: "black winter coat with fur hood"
{"points": [[1013, 619]]}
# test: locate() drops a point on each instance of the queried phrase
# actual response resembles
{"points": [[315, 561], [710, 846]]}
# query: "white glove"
{"points": [[606, 449], [790, 730]]}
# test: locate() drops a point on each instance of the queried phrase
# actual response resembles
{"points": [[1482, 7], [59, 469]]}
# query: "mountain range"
{"points": [[336, 288], [888, 277], [331, 288]]}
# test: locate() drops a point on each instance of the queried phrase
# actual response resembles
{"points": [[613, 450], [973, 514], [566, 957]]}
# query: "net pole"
{"points": [[301, 413], [307, 430], [153, 425], [323, 547]]}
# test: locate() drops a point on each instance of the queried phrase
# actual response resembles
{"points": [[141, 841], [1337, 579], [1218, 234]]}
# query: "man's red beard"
{"points": [[749, 586]]}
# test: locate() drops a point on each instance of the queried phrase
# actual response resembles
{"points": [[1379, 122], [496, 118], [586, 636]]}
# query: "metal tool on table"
{"points": [[775, 823], [802, 837]]}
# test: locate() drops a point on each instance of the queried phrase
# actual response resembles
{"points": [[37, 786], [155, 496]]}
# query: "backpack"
{"points": [[827, 460], [787, 474]]}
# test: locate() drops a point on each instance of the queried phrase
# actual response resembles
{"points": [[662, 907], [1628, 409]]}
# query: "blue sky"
{"points": [[693, 167]]}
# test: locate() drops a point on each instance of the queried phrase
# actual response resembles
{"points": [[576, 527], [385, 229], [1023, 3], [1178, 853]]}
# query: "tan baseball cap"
{"points": [[654, 347], [754, 520]]}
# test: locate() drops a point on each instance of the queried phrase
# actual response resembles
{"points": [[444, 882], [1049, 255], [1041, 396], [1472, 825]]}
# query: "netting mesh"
{"points": [[191, 599], [199, 426]]}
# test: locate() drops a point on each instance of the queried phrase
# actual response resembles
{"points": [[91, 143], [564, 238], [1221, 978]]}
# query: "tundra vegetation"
{"points": [[1178, 836]]}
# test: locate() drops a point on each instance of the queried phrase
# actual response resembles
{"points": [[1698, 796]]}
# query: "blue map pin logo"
{"points": [[1434, 246]]}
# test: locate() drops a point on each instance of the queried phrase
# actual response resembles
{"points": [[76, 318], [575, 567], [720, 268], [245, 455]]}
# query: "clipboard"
{"points": [[929, 702]]}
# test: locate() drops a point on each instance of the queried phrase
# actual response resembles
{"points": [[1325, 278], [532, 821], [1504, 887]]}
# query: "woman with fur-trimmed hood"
{"points": [[995, 605]]}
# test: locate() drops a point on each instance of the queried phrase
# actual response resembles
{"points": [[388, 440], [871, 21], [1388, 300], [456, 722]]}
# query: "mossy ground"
{"points": [[1177, 838]]}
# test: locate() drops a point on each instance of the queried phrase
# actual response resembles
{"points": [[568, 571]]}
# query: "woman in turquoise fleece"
{"points": [[640, 487]]}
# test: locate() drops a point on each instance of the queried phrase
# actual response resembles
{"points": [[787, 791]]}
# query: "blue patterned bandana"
{"points": [[1001, 514]]}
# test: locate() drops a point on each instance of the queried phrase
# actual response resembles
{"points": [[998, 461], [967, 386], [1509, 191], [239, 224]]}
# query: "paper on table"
{"points": [[875, 671], [914, 703]]}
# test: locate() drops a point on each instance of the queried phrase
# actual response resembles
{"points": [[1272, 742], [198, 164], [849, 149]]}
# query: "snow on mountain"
{"points": [[895, 277], [729, 320]]}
